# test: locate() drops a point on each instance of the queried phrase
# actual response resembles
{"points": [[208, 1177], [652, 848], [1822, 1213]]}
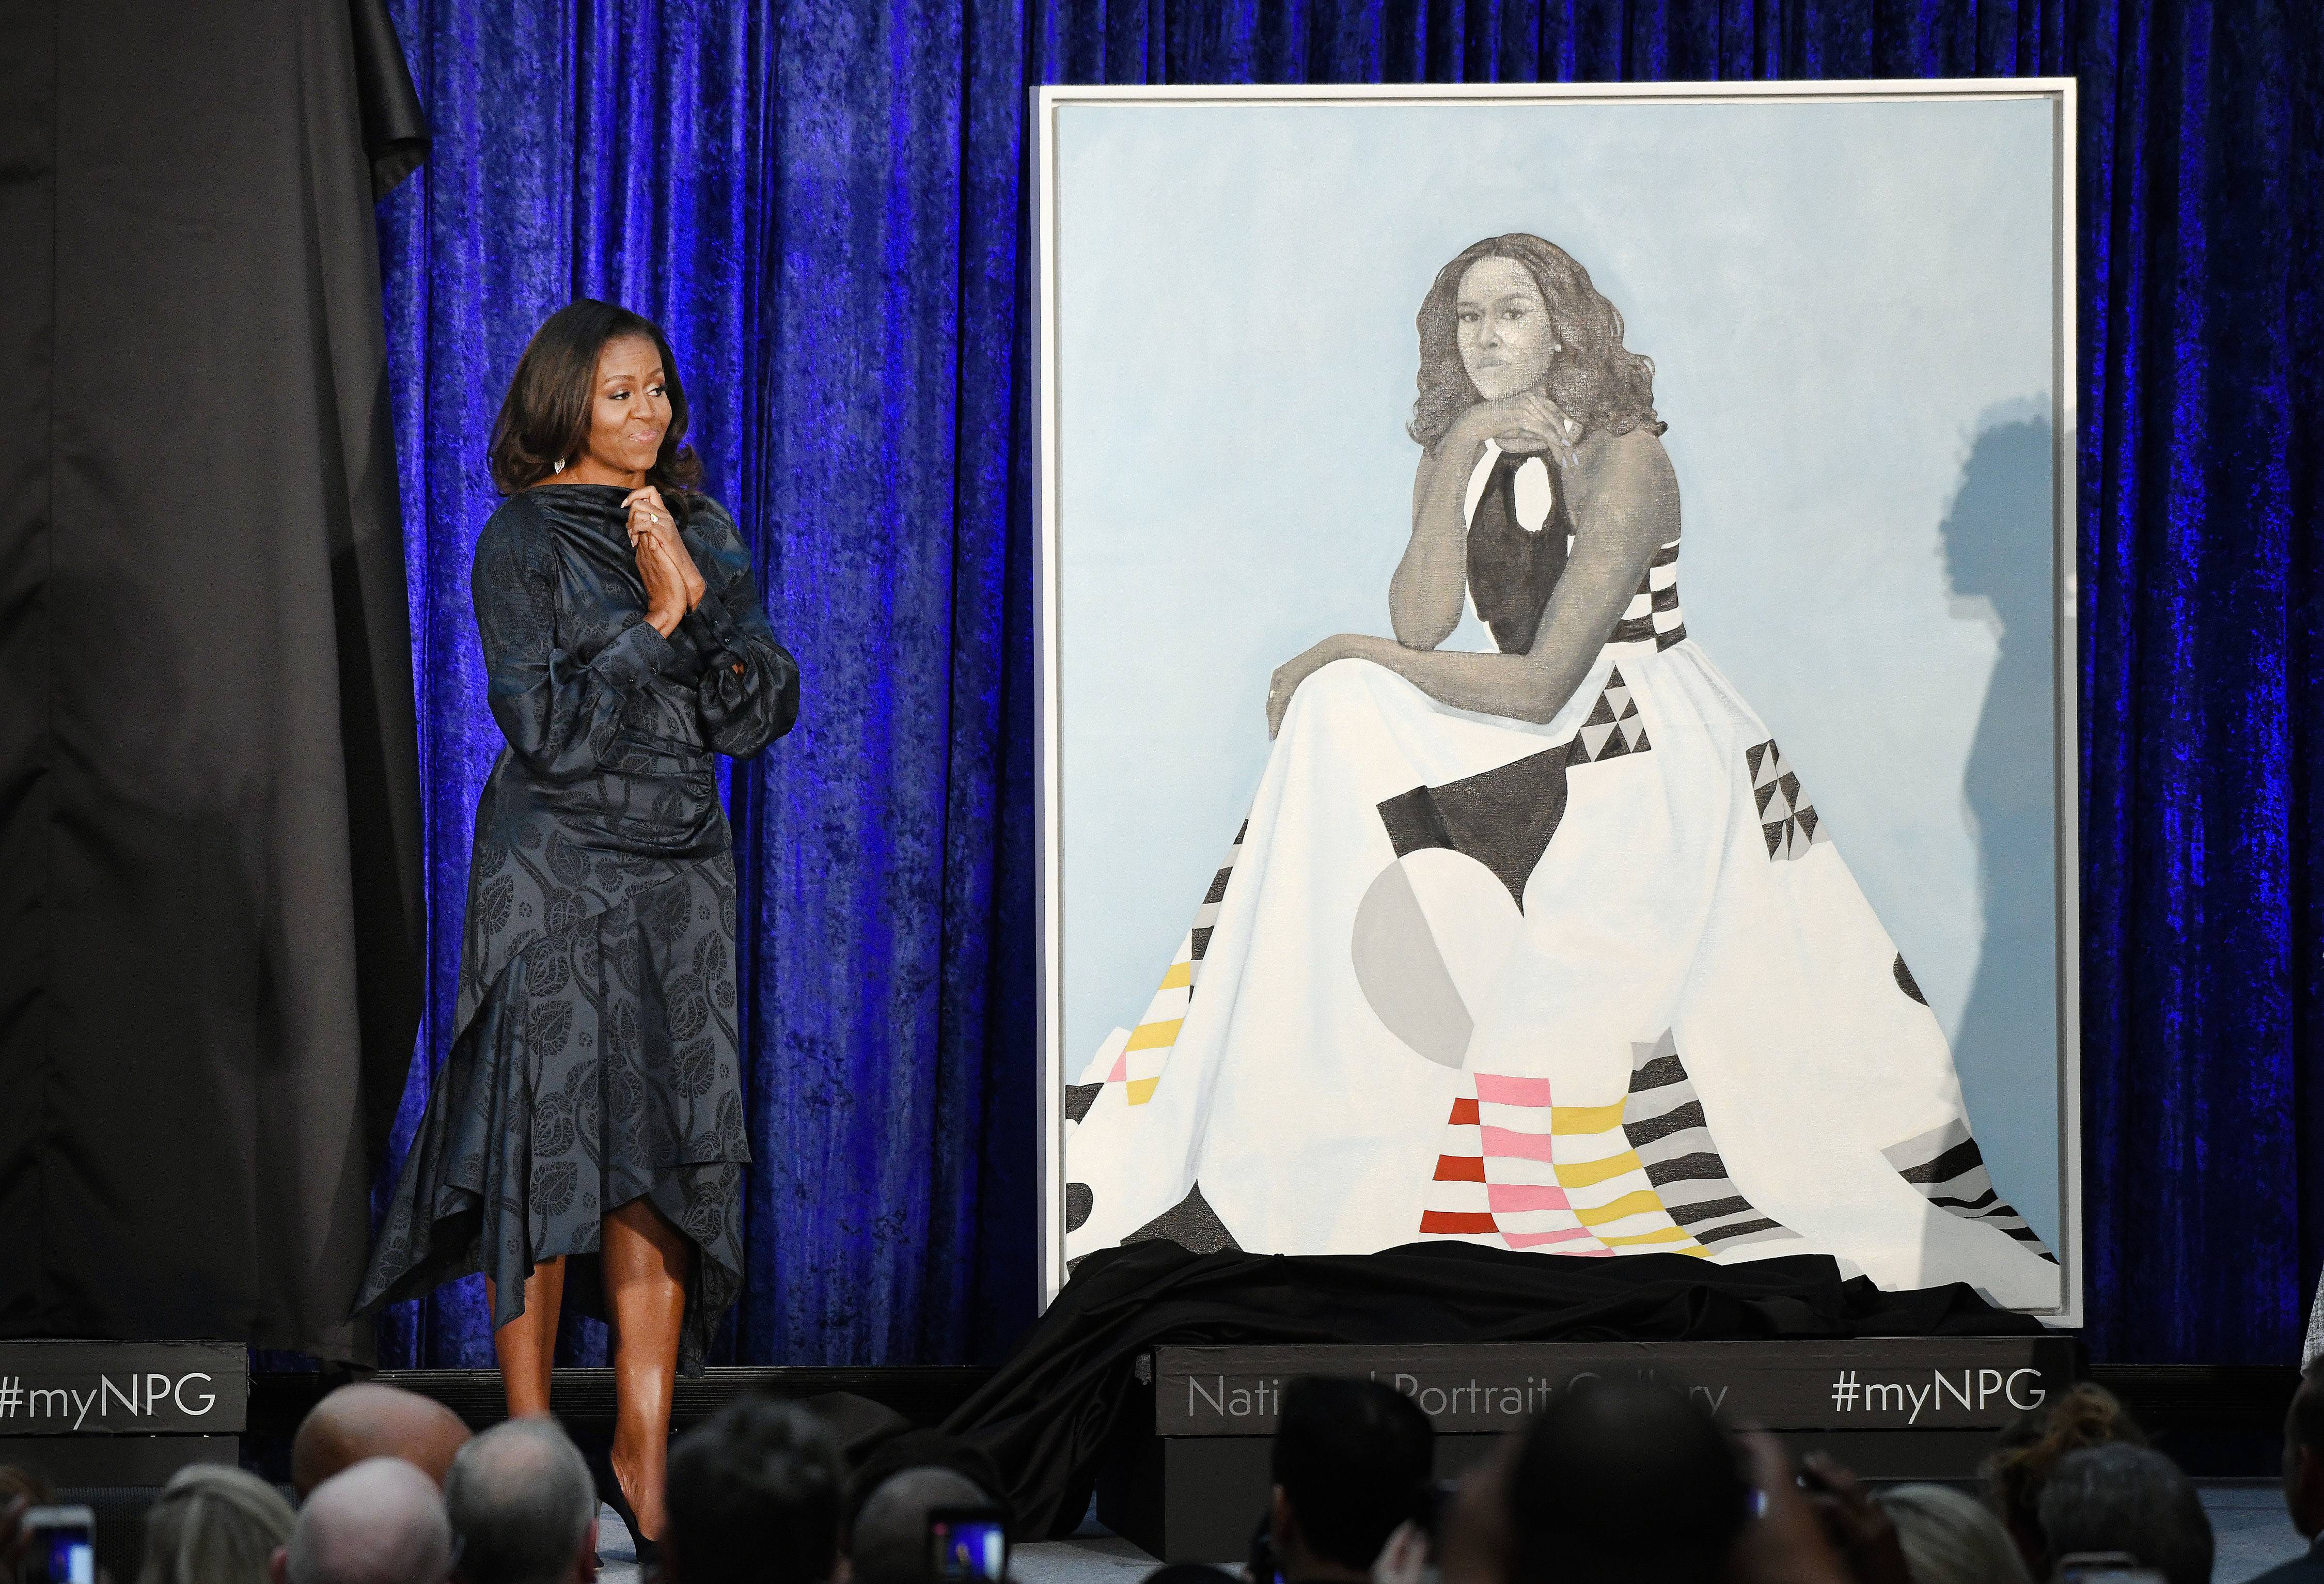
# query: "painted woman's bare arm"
{"points": [[1424, 597], [1624, 508]]}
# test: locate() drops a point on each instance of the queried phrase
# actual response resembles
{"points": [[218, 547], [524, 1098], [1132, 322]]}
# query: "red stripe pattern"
{"points": [[1495, 1180]]}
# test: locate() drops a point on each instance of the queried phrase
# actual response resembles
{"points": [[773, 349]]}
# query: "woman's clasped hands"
{"points": [[665, 566], [1527, 423]]}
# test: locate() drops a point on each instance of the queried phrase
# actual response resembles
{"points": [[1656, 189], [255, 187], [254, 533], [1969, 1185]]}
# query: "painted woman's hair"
{"points": [[1602, 384], [545, 416]]}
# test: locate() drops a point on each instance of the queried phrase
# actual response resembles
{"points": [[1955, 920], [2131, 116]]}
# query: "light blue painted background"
{"points": [[1849, 310]]}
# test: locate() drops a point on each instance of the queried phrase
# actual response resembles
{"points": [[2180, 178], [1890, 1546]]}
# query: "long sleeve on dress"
{"points": [[562, 716], [742, 711]]}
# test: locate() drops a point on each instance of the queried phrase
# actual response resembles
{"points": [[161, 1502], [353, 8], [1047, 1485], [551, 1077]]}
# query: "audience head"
{"points": [[381, 1522], [754, 1498], [2304, 1452], [2128, 1499], [21, 1490], [1352, 1460], [919, 1448], [1623, 1482], [2019, 1467], [892, 1531], [367, 1420], [524, 1507], [214, 1524], [23, 1485], [1949, 1537]]}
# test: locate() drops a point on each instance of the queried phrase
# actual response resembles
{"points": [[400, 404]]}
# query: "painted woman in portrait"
{"points": [[1546, 947]]}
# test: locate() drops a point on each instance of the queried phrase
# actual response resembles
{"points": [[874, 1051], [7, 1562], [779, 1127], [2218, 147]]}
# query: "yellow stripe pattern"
{"points": [[1607, 1184], [1585, 1119], [1587, 1174], [1154, 1036]]}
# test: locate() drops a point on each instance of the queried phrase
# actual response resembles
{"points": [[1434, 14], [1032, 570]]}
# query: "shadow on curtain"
{"points": [[824, 206]]}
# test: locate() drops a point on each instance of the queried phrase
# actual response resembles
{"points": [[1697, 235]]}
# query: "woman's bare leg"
{"points": [[527, 1344], [646, 1264]]}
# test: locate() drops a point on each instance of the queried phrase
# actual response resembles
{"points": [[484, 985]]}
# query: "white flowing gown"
{"points": [[1603, 986]]}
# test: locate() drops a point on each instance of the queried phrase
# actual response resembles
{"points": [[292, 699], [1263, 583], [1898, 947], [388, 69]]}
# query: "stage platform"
{"points": [[2218, 1420], [2221, 1423]]}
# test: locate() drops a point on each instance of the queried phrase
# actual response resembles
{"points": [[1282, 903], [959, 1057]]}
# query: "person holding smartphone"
{"points": [[47, 1544], [15, 1537]]}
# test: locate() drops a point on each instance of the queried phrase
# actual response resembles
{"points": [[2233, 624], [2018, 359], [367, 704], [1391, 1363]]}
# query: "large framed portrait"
{"points": [[1557, 714]]}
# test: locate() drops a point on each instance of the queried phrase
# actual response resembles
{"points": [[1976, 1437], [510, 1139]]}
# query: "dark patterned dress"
{"points": [[595, 1061]]}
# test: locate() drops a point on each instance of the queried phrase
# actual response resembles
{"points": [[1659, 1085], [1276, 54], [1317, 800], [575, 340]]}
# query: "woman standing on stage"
{"points": [[589, 1113]]}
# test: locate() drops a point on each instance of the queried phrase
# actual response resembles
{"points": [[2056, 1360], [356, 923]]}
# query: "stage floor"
{"points": [[2247, 1519]]}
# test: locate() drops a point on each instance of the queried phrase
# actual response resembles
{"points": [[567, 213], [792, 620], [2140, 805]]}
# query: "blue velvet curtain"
{"points": [[824, 203]]}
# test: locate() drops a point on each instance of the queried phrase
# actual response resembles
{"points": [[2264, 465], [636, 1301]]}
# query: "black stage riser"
{"points": [[1198, 1499], [1189, 1479]]}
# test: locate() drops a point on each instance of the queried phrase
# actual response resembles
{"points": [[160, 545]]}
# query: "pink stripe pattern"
{"points": [[1520, 1196], [1496, 1090], [1504, 1141]]}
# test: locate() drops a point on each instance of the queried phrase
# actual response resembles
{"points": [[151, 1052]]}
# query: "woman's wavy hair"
{"points": [[545, 417], [1597, 381], [2017, 1472]]}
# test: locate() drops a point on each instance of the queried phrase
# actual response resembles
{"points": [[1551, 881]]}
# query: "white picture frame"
{"points": [[1054, 439]]}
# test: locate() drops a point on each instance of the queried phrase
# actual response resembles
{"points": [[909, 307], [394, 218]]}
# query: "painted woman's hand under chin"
{"points": [[1289, 675]]}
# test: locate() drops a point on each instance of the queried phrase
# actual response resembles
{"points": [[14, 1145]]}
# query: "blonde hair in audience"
{"points": [[214, 1524], [1951, 1537]]}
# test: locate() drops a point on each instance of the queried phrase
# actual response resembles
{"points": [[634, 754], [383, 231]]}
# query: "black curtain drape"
{"points": [[208, 803]]}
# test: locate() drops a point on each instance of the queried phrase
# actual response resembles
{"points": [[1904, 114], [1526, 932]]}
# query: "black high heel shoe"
{"points": [[647, 1552]]}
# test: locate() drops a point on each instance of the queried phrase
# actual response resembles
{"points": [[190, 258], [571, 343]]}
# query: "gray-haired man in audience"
{"points": [[524, 1507], [381, 1522], [892, 1531]]}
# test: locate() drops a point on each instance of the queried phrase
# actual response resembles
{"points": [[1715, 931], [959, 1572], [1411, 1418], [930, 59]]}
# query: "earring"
{"points": [[558, 468]]}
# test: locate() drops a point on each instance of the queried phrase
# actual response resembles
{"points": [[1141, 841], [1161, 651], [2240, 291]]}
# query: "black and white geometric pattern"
{"points": [[1663, 1119], [1949, 1169], [1191, 1224], [1206, 916], [1786, 819], [1504, 818], [1653, 612], [1614, 727]]}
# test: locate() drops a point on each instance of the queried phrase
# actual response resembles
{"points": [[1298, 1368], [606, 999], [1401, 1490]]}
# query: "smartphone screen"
{"points": [[64, 1549], [968, 1542]]}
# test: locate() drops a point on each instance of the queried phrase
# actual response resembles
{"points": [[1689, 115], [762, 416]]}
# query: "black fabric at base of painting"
{"points": [[210, 814], [1047, 1418]]}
